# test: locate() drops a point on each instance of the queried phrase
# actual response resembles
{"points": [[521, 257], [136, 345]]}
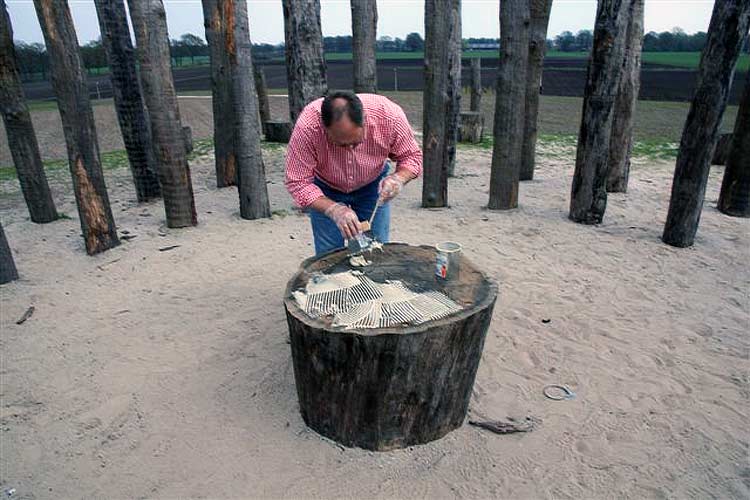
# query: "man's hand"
{"points": [[345, 218], [391, 186]]}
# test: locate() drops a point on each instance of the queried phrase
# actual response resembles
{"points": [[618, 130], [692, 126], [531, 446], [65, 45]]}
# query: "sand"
{"points": [[148, 373]]}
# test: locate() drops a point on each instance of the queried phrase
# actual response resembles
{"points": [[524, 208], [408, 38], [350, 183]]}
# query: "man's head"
{"points": [[343, 118]]}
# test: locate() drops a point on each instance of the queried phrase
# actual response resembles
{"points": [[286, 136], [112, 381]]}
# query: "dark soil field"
{"points": [[562, 77]]}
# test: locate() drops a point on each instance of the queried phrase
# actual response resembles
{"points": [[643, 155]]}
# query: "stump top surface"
{"points": [[415, 267]]}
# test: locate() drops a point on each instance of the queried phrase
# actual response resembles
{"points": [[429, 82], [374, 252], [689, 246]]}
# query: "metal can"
{"points": [[447, 261]]}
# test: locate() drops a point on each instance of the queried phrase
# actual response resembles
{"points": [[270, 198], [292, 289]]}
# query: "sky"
{"points": [[396, 18]]}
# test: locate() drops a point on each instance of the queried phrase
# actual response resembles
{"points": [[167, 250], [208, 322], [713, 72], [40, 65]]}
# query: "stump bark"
{"points": [[510, 104], [278, 131], [721, 151], [20, 131], [8, 270], [588, 198], [735, 187], [79, 129], [727, 31], [472, 127], [389, 388], [441, 97], [539, 20], [364, 33]]}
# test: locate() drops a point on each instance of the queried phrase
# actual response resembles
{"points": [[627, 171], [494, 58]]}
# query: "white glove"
{"points": [[390, 187], [345, 218]]}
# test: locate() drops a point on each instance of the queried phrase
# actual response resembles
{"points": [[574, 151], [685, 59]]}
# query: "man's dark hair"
{"points": [[330, 114]]}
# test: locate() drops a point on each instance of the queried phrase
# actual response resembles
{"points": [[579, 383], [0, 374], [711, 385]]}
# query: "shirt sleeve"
{"points": [[404, 148], [301, 158]]}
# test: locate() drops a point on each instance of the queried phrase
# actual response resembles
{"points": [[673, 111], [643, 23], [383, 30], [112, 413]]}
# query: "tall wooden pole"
{"points": [[510, 104], [364, 34], [476, 84], [69, 83], [8, 271], [621, 138], [21, 138], [303, 47], [264, 107], [441, 97], [540, 11], [218, 35], [589, 194], [131, 112], [735, 187], [150, 26], [727, 32]]}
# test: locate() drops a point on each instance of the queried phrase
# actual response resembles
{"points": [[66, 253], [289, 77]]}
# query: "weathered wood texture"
{"points": [[727, 31], [510, 104], [735, 187], [8, 271], [150, 26], [390, 388], [539, 20], [303, 48], [131, 111], [476, 84], [364, 34], [187, 139], [20, 131], [721, 151], [218, 37], [621, 138], [251, 174], [441, 97], [588, 199], [69, 84], [278, 131], [261, 89], [471, 127]]}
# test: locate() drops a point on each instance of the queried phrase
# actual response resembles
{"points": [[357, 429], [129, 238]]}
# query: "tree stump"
{"points": [[277, 131], [388, 388], [471, 128], [722, 150]]}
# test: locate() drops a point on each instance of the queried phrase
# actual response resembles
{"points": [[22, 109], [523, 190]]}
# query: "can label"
{"points": [[441, 266]]}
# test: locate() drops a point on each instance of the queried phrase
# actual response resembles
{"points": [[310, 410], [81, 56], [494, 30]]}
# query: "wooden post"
{"points": [[471, 127], [735, 187], [727, 32], [589, 191], [721, 151], [278, 131], [621, 138], [20, 131], [264, 107], [305, 64], [131, 112], [364, 34], [8, 271], [150, 26], [251, 175], [539, 20], [221, 93], [69, 83], [476, 84], [510, 104], [441, 97]]}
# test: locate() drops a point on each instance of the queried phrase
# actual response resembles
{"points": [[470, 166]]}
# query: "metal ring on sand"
{"points": [[549, 390]]}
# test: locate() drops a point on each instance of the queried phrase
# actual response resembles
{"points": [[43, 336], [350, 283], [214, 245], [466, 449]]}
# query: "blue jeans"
{"points": [[326, 233]]}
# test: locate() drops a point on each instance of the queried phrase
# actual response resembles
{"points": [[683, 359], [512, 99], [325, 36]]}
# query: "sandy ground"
{"points": [[145, 373]]}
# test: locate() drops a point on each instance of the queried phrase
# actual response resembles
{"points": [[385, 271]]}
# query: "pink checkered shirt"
{"points": [[348, 168]]}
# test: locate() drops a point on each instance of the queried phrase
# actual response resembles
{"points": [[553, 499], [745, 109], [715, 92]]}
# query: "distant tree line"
{"points": [[192, 49]]}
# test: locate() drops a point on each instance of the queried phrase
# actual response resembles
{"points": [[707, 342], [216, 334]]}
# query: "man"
{"points": [[336, 164]]}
